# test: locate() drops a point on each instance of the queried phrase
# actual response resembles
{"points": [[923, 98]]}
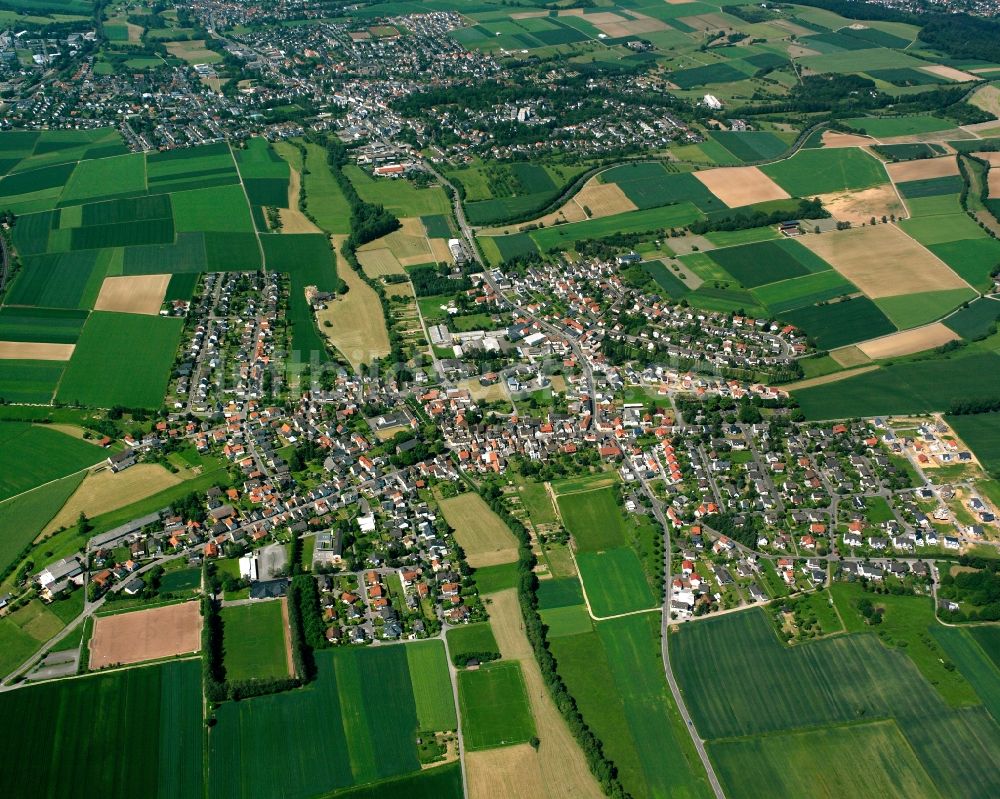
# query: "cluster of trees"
{"points": [[429, 280], [872, 614], [600, 765], [971, 405], [981, 589], [306, 624], [742, 529], [742, 220]]}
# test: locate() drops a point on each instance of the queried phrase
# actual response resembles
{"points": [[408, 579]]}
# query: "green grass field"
{"points": [[912, 310], [440, 782], [942, 228], [981, 432], [594, 519], [29, 381], [490, 579], [56, 325], [839, 323], [653, 219], [23, 517], [107, 368], [869, 758], [428, 667], [31, 455], [223, 208], [767, 262], [569, 620], [812, 172], [971, 259], [887, 127], [346, 728], [142, 728], [787, 295], [399, 196], [614, 581], [911, 387], [649, 185], [254, 641], [559, 593], [106, 177], [494, 705], [974, 664], [324, 199], [470, 639], [60, 280]]}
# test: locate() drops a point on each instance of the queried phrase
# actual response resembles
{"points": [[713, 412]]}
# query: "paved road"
{"points": [[699, 744]]}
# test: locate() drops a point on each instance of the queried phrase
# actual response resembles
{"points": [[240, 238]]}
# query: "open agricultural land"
{"points": [[620, 379]]}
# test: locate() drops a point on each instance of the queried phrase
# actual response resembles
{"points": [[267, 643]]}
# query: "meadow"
{"points": [[787, 295], [107, 369], [812, 172], [907, 387], [653, 219], [428, 667], [615, 674], [469, 640], [594, 519], [836, 324], [887, 127], [398, 196], [23, 517], [494, 706], [910, 310], [324, 198], [343, 729], [614, 581], [254, 641], [483, 536], [31, 455], [975, 321], [155, 752]]}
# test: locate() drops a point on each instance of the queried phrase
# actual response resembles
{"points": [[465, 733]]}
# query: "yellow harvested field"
{"points": [[707, 22], [35, 351], [833, 138], [292, 219], [636, 27], [380, 262], [832, 378], [922, 169], [993, 176], [141, 294], [908, 342], [953, 134], [146, 635], [440, 252], [194, 51], [399, 289], [529, 14], [861, 206], [987, 98], [993, 159], [950, 73], [103, 491], [849, 356], [558, 761], [356, 326], [487, 541], [601, 199], [740, 185], [883, 261]]}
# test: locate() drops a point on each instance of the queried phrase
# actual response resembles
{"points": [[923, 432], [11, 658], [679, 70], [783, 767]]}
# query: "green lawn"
{"points": [[494, 704], [223, 208], [324, 198], [470, 640], [254, 641]]}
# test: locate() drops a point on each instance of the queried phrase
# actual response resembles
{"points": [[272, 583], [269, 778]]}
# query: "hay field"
{"points": [[871, 257], [439, 251], [860, 206], [741, 185], [987, 98], [603, 199], [292, 219], [379, 262], [146, 635], [922, 169], [479, 531], [832, 138], [104, 491], [141, 294], [908, 342], [35, 351], [849, 356], [559, 760], [357, 328], [950, 73]]}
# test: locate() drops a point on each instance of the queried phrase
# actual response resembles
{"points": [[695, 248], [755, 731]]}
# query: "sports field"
{"points": [[108, 369], [483, 536], [142, 727], [31, 455], [494, 706], [145, 635], [254, 641]]}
